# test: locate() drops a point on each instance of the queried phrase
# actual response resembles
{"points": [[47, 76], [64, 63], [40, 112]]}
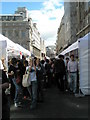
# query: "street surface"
{"points": [[56, 105]]}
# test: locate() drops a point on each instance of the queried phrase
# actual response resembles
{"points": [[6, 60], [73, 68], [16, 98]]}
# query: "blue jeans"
{"points": [[18, 91], [34, 93], [73, 82]]}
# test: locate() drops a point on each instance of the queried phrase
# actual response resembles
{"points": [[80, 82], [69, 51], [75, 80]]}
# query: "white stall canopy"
{"points": [[13, 49], [10, 45], [23, 50], [84, 60], [3, 45], [3, 49], [74, 46]]}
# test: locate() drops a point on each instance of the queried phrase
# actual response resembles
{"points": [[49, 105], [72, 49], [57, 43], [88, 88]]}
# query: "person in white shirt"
{"points": [[72, 70], [33, 79]]}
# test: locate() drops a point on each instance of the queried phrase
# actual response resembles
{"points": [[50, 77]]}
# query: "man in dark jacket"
{"points": [[59, 70]]}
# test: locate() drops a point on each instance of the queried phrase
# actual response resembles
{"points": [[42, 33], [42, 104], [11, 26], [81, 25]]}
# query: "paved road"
{"points": [[56, 105]]}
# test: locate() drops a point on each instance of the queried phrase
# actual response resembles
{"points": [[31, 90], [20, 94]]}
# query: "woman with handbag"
{"points": [[26, 82]]}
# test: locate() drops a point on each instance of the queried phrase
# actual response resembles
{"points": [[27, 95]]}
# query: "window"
{"points": [[67, 26], [23, 34], [16, 33], [86, 6], [9, 32], [0, 18], [4, 32], [9, 18], [3, 18]]}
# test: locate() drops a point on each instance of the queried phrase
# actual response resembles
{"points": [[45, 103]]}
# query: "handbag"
{"points": [[26, 80]]}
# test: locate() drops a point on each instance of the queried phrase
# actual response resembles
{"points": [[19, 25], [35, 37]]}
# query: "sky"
{"points": [[47, 14]]}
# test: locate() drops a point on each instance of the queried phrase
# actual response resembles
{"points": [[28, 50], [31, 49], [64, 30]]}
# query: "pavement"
{"points": [[56, 105]]}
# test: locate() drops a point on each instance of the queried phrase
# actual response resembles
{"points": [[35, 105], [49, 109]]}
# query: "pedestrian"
{"points": [[59, 69], [25, 90], [5, 103], [12, 88], [48, 73], [13, 73], [72, 69], [51, 71], [39, 73], [29, 80], [67, 82], [33, 83], [44, 74]]}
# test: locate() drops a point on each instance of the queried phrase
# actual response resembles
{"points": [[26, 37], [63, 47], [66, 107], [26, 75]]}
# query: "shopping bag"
{"points": [[26, 80]]}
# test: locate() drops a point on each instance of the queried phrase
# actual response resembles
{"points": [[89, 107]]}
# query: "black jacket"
{"points": [[59, 66], [4, 80]]}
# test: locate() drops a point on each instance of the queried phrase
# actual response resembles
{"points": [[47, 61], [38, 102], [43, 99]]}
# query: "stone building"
{"points": [[35, 41], [43, 49], [15, 27], [51, 51], [75, 23], [20, 28], [60, 36], [83, 13]]}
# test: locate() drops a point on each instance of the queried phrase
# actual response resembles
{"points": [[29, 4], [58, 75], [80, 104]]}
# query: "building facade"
{"points": [[35, 40], [43, 49], [15, 27], [60, 36], [51, 51], [75, 23], [83, 13], [20, 28]]}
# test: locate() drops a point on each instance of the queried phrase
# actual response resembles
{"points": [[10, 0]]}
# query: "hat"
{"points": [[61, 56]]}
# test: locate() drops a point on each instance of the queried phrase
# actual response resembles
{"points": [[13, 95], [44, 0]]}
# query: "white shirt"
{"points": [[33, 75], [72, 66]]}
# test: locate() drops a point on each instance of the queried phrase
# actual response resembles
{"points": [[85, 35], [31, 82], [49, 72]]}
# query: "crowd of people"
{"points": [[61, 72]]}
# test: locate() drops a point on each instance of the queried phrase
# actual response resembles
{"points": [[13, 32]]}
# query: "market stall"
{"points": [[3, 48], [23, 51], [74, 46], [83, 46], [12, 48], [84, 61]]}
